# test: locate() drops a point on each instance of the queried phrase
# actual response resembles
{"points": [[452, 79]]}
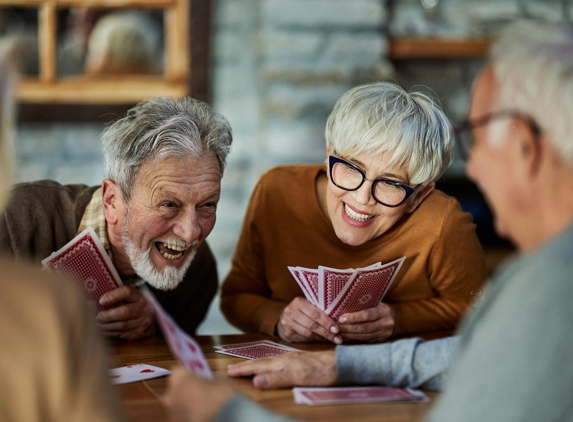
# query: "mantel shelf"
{"points": [[438, 48]]}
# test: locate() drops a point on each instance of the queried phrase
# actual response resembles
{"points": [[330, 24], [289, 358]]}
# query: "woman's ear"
{"points": [[420, 196]]}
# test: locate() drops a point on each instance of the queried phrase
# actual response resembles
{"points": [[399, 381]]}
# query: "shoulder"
{"points": [[288, 176], [49, 192]]}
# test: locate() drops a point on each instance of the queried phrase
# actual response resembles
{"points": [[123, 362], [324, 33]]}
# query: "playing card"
{"points": [[311, 278], [303, 284], [253, 343], [86, 262], [366, 290], [257, 351], [133, 373], [332, 282], [180, 343], [345, 395]]}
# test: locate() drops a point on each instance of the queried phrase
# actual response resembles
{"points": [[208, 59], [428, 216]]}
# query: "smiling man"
{"points": [[163, 167]]}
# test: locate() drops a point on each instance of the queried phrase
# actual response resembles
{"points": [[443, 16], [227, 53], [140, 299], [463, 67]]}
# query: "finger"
{"points": [[120, 313], [273, 380], [121, 294], [371, 314], [258, 366], [310, 329], [133, 324], [127, 335], [319, 316], [364, 328]]}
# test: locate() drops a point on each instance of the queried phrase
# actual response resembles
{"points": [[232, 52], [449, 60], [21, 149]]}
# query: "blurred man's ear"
{"points": [[420, 196]]}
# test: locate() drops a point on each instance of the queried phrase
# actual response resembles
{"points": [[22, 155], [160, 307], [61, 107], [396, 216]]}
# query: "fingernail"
{"points": [[263, 381], [103, 301], [337, 340], [343, 319], [334, 329]]}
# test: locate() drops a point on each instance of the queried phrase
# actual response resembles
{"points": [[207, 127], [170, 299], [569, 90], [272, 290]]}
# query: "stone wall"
{"points": [[278, 68]]}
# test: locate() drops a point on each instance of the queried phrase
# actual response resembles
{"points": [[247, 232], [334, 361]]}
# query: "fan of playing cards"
{"points": [[338, 292]]}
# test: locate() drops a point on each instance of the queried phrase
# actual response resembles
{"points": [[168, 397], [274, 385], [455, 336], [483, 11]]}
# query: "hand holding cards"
{"points": [[86, 262], [337, 292]]}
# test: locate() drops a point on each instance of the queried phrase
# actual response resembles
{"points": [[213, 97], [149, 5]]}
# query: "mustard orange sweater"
{"points": [[284, 226]]}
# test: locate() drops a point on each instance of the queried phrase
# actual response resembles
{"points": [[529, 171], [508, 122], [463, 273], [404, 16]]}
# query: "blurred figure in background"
{"points": [[52, 360]]}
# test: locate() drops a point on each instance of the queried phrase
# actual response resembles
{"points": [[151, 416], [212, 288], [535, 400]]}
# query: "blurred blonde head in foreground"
{"points": [[6, 118]]}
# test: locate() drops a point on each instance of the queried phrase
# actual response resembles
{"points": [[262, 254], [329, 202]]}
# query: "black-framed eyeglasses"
{"points": [[463, 131], [347, 176]]}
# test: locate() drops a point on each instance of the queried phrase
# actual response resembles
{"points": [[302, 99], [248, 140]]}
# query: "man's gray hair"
{"points": [[382, 118], [533, 67], [162, 127]]}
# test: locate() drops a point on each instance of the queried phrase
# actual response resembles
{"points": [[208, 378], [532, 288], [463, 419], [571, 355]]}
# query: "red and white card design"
{"points": [[337, 292], [317, 396], [256, 350], [86, 262], [368, 287], [185, 349], [134, 373], [252, 343]]}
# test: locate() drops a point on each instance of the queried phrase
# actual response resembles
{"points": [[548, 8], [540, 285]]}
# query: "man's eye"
{"points": [[168, 204]]}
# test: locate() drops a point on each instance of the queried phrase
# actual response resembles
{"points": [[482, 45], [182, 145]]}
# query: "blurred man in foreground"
{"points": [[52, 359], [163, 166], [512, 359]]}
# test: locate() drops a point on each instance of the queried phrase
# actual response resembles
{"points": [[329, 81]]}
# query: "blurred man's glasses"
{"points": [[463, 131], [347, 176]]}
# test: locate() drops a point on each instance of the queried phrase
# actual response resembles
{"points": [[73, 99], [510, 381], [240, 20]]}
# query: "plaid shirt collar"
{"points": [[94, 217]]}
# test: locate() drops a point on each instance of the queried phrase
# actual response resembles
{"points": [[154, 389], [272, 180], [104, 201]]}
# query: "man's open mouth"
{"points": [[170, 251]]}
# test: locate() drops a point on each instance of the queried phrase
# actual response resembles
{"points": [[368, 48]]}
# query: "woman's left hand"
{"points": [[373, 324]]}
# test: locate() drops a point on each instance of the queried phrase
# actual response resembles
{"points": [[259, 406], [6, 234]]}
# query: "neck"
{"points": [[120, 259], [552, 211]]}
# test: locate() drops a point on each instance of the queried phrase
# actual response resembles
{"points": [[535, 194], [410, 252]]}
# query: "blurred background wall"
{"points": [[277, 68]]}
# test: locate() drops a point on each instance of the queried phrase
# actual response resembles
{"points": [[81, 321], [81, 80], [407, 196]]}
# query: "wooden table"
{"points": [[141, 399]]}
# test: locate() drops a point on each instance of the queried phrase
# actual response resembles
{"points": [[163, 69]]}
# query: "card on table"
{"points": [[368, 287], [133, 373], [261, 350], [314, 396], [86, 262], [185, 349], [252, 343]]}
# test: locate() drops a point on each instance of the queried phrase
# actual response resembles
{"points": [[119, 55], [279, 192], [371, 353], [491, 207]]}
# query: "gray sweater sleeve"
{"points": [[240, 409], [411, 363]]}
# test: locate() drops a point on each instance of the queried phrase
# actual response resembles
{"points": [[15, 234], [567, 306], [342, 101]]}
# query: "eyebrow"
{"points": [[383, 175]]}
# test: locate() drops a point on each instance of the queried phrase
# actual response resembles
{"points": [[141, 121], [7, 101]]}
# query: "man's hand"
{"points": [[373, 324], [131, 317], [192, 398], [302, 321], [291, 369]]}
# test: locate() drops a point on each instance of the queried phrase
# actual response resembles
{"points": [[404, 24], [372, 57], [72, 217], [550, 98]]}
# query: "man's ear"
{"points": [[420, 196], [112, 201], [531, 151]]}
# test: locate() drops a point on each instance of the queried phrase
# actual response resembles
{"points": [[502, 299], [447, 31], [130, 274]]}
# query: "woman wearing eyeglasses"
{"points": [[373, 201]]}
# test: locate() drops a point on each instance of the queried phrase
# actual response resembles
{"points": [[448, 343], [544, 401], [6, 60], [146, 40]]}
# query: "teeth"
{"points": [[171, 257], [355, 215], [175, 247]]}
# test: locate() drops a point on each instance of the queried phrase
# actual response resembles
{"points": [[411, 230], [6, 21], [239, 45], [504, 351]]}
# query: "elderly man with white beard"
{"points": [[163, 167]]}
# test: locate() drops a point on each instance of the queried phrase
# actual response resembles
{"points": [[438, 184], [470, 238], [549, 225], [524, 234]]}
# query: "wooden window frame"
{"points": [[80, 98]]}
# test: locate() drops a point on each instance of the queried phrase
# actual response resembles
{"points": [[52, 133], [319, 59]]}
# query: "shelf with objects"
{"points": [[102, 53]]}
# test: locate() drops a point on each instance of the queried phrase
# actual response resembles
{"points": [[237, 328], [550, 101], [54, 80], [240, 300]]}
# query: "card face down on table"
{"points": [[346, 395], [255, 349], [337, 292], [86, 262]]}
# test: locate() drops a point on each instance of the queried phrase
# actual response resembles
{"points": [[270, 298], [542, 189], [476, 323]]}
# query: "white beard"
{"points": [[168, 278]]}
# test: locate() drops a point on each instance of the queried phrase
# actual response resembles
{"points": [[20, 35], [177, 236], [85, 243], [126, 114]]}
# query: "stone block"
{"points": [[290, 45], [292, 101], [236, 13], [299, 141], [72, 173], [357, 50], [37, 141], [320, 13], [31, 171], [81, 141]]}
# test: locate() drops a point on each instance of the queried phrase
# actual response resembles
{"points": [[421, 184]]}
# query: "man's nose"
{"points": [[187, 227]]}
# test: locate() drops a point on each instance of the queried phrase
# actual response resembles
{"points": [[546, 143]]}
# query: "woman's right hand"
{"points": [[302, 321]]}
